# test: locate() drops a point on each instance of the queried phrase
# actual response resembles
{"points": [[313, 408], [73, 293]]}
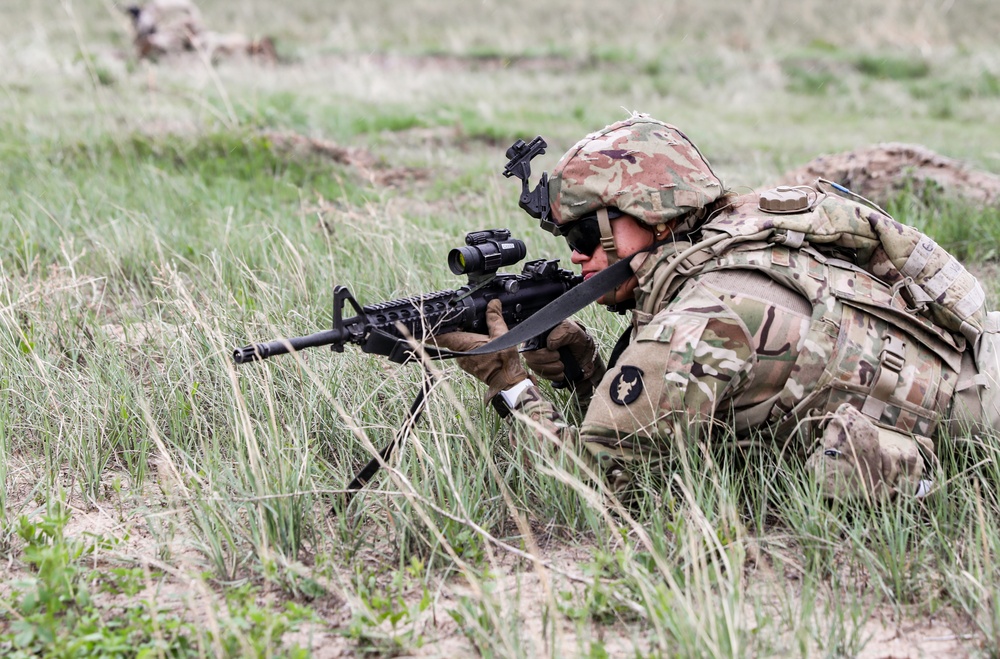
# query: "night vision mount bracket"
{"points": [[534, 202]]}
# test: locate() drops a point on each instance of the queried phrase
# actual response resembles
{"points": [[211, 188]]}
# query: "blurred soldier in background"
{"points": [[166, 27], [797, 315]]}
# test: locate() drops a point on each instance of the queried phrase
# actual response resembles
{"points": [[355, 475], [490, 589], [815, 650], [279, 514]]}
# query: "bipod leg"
{"points": [[369, 470]]}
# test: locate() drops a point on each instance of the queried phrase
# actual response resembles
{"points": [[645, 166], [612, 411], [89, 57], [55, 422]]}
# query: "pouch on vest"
{"points": [[976, 405], [863, 345], [872, 365]]}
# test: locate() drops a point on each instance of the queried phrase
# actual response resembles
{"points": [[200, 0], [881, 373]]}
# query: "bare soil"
{"points": [[883, 171], [369, 167], [151, 532]]}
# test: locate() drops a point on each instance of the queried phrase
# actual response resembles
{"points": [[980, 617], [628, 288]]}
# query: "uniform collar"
{"points": [[645, 264]]}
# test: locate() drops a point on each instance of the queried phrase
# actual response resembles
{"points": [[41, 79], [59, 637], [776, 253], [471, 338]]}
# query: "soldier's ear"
{"points": [[133, 11]]}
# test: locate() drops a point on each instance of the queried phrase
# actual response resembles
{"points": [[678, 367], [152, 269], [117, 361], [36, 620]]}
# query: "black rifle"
{"points": [[382, 328]]}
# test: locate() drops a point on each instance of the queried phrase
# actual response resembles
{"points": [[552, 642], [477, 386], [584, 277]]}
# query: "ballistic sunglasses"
{"points": [[584, 235]]}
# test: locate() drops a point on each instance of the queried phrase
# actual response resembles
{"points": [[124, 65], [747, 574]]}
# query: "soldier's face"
{"points": [[630, 237]]}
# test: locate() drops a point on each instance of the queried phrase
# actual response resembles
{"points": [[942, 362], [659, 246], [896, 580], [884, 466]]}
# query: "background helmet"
{"points": [[641, 166]]}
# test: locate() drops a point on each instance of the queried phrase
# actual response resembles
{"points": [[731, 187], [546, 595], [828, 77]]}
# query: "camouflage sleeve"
{"points": [[672, 378], [693, 355]]}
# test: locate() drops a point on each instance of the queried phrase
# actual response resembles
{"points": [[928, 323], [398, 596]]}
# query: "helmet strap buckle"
{"points": [[607, 238]]}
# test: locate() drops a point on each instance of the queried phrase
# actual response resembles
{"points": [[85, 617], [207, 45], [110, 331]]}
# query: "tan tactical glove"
{"points": [[499, 370], [547, 362]]}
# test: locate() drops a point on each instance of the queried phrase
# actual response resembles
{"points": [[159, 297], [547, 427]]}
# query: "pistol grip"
{"points": [[571, 367], [572, 372]]}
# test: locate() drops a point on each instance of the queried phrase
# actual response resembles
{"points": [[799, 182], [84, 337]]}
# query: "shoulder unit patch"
{"points": [[626, 386]]}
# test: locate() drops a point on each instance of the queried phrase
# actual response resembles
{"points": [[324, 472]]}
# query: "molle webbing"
{"points": [[891, 361], [948, 284], [884, 247]]}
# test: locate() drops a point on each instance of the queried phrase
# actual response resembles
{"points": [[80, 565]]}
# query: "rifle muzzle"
{"points": [[251, 353]]}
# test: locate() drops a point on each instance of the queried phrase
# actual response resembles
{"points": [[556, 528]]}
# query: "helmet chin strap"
{"points": [[607, 238]]}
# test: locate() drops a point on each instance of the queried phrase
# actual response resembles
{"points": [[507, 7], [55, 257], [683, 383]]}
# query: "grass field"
{"points": [[158, 501]]}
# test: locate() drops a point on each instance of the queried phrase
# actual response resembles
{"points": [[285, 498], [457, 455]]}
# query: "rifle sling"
{"points": [[555, 311], [619, 348]]}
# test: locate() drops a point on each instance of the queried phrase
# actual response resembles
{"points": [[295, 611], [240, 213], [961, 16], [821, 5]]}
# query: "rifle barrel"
{"points": [[259, 351]]}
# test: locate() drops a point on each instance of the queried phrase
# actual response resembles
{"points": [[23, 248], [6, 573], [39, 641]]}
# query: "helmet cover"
{"points": [[643, 167]]}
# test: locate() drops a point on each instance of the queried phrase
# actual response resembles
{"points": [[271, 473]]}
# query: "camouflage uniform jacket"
{"points": [[756, 335]]}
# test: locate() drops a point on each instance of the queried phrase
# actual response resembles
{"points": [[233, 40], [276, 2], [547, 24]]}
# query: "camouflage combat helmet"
{"points": [[640, 166]]}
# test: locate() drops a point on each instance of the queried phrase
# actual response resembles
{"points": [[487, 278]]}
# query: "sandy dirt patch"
{"points": [[883, 171]]}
